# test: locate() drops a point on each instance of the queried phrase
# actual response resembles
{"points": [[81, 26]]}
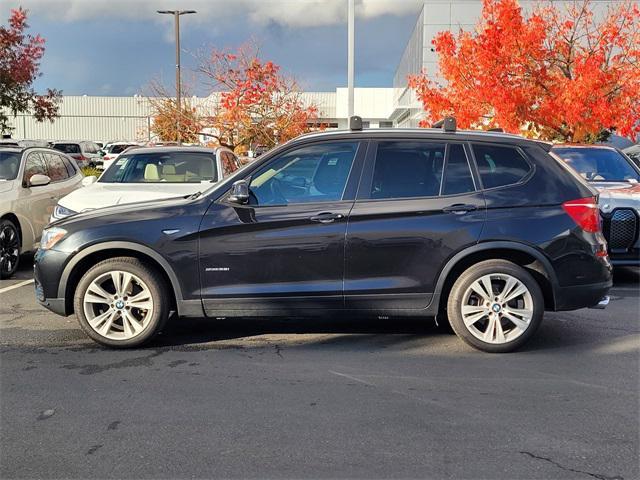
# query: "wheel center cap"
{"points": [[119, 304], [496, 307]]}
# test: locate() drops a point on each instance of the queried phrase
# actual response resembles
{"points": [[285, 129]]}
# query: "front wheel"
{"points": [[495, 306], [9, 248], [121, 302]]}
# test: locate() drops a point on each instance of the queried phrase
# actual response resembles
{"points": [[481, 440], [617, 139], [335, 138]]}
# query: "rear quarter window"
{"points": [[500, 165]]}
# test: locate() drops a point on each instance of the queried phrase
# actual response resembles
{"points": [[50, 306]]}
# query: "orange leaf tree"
{"points": [[555, 74], [256, 104], [166, 115]]}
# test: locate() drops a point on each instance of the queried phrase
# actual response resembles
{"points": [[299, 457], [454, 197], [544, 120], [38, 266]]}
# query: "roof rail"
{"points": [[448, 124]]}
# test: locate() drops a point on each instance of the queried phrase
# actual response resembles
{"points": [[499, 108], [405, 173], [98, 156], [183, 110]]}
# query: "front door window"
{"points": [[311, 174]]}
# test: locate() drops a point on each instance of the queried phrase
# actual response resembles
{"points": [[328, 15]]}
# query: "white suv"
{"points": [[149, 174], [31, 182]]}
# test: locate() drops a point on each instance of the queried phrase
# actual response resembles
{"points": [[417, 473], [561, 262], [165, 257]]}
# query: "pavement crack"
{"points": [[569, 469], [278, 350]]}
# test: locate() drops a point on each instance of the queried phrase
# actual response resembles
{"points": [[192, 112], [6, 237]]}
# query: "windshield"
{"points": [[162, 167], [599, 164], [67, 147], [9, 165]]}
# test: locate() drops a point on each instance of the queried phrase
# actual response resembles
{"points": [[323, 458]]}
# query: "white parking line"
{"points": [[17, 285]]}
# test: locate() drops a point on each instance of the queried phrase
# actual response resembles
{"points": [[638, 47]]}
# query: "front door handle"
{"points": [[326, 217], [459, 208]]}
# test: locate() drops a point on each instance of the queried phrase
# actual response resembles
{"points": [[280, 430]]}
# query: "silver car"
{"points": [[32, 180], [617, 179]]}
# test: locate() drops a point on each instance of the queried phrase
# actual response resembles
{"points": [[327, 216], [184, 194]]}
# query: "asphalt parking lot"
{"points": [[320, 399]]}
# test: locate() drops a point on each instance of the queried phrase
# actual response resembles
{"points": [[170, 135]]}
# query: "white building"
{"points": [[129, 118]]}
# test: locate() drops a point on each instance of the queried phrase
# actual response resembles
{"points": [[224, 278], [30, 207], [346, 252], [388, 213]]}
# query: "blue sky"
{"points": [[114, 47]]}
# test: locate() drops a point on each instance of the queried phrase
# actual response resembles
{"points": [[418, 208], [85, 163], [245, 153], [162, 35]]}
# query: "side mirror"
{"points": [[39, 180], [239, 192], [86, 181]]}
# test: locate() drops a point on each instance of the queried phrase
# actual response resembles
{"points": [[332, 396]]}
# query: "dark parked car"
{"points": [[617, 179], [486, 230], [86, 154]]}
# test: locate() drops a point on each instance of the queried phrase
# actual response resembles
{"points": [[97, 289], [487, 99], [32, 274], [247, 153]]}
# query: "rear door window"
{"points": [[406, 169], [56, 167], [71, 170], [500, 165]]}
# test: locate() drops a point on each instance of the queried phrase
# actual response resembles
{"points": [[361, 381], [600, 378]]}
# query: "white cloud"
{"points": [[293, 13]]}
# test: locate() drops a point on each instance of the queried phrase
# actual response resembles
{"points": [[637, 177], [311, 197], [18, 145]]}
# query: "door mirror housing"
{"points": [[86, 181], [239, 192], [39, 180]]}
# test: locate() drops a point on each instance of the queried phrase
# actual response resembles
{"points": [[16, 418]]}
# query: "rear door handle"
{"points": [[326, 217], [459, 208]]}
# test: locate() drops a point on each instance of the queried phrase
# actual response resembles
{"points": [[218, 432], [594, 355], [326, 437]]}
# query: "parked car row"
{"points": [[39, 185], [485, 231]]}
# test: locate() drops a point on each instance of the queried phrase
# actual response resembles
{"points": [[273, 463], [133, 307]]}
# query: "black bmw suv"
{"points": [[483, 230]]}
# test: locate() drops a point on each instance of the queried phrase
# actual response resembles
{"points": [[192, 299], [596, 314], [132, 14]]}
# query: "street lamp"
{"points": [[176, 15]]}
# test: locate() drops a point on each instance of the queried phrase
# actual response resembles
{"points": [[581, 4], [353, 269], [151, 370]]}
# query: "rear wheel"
{"points": [[121, 302], [9, 248], [495, 306]]}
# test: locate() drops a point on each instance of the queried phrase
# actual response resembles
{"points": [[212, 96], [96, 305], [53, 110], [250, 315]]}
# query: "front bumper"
{"points": [[48, 266]]}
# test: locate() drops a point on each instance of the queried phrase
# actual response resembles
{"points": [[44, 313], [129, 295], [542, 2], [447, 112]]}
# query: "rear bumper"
{"points": [[581, 296]]}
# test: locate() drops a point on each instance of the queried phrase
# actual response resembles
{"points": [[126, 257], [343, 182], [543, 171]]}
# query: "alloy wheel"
{"points": [[9, 249], [497, 308], [118, 305]]}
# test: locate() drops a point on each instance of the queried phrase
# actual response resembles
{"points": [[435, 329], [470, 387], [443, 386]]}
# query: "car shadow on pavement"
{"points": [[188, 331]]}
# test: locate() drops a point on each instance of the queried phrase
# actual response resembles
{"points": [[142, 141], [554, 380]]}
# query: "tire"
{"points": [[500, 323], [125, 315], [9, 248]]}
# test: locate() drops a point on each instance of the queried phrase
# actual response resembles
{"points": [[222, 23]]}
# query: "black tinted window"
{"points": [[457, 175], [316, 173], [408, 169], [56, 167], [499, 166], [67, 147]]}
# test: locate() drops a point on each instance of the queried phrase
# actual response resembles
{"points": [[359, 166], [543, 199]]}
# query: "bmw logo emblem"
{"points": [[496, 308], [120, 304]]}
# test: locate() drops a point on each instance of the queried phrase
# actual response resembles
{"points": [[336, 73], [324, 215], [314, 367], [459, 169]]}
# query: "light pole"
{"points": [[350, 57], [176, 15]]}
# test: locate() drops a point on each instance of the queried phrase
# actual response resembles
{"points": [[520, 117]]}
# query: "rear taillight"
{"points": [[584, 211]]}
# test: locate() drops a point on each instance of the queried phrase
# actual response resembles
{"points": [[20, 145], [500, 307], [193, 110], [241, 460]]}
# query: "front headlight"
{"points": [[51, 236], [61, 212]]}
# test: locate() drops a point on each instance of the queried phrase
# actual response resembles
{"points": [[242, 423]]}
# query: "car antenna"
{"points": [[355, 123]]}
